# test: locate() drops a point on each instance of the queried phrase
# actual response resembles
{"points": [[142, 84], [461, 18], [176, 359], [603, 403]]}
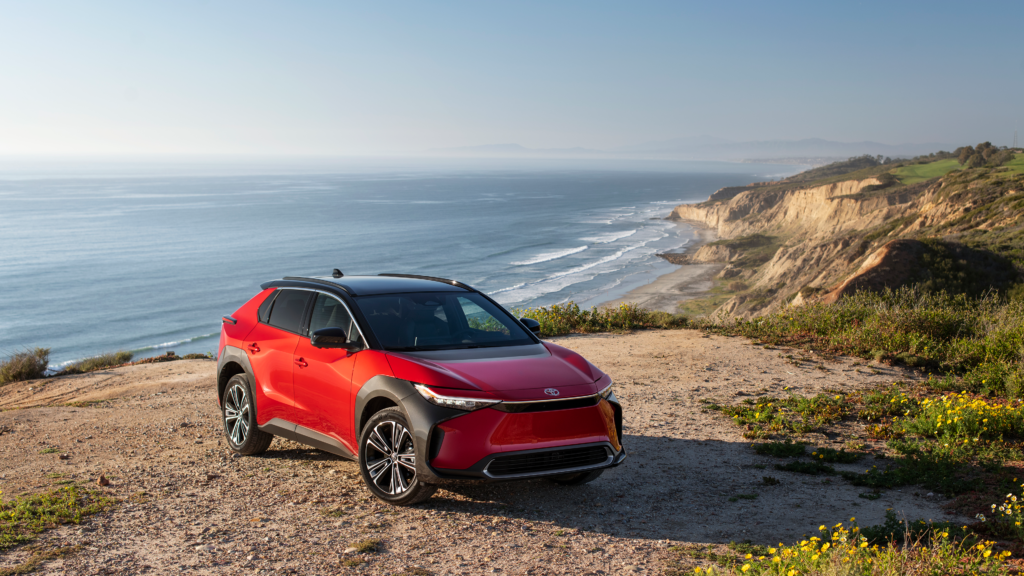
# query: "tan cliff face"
{"points": [[820, 236], [820, 210]]}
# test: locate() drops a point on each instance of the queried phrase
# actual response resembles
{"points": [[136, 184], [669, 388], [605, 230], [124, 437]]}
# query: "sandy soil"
{"points": [[188, 506]]}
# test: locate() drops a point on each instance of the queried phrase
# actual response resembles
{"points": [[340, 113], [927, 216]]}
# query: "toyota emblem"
{"points": [[551, 392]]}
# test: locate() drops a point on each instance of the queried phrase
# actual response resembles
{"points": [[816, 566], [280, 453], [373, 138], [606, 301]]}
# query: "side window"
{"points": [[328, 312], [264, 310], [288, 308]]}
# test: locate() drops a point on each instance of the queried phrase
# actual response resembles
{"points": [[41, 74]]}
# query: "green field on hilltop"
{"points": [[1017, 164], [921, 172]]}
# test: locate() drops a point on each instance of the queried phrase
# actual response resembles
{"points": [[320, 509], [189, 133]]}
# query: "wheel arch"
{"points": [[376, 394], [232, 362]]}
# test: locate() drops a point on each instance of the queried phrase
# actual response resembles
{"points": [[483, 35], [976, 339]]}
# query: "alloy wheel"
{"points": [[390, 459], [236, 414]]}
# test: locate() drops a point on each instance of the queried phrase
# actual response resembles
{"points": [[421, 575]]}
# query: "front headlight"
{"points": [[606, 392], [456, 402]]}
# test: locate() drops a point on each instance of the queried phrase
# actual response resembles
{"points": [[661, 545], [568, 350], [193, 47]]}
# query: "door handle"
{"points": [[254, 348], [301, 363]]}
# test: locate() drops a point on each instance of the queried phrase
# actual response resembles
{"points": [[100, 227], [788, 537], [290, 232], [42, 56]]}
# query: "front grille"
{"points": [[546, 405], [548, 461]]}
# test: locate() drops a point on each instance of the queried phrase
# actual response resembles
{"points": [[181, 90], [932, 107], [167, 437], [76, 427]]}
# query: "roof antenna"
{"points": [[337, 273]]}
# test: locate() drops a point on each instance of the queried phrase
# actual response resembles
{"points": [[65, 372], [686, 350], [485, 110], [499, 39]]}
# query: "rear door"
{"points": [[323, 376], [271, 348]]}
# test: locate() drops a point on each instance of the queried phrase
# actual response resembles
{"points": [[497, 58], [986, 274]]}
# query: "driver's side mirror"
{"points": [[532, 324], [332, 338]]}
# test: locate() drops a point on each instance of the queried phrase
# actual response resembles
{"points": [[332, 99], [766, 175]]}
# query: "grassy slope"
{"points": [[1017, 164], [920, 172]]}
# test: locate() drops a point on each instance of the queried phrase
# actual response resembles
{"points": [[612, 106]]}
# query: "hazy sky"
{"points": [[385, 77]]}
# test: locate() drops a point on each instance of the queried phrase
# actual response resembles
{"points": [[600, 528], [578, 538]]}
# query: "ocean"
{"points": [[99, 257]]}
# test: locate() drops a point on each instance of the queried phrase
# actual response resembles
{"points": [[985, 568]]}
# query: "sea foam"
{"points": [[549, 256]]}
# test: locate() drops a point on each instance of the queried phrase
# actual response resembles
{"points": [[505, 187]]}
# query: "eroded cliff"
{"points": [[791, 244]]}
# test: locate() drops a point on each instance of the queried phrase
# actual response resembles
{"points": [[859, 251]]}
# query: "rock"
{"points": [[102, 481], [65, 456], [205, 548], [212, 477]]}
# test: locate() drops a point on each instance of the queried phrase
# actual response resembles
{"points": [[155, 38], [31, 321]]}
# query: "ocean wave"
{"points": [[548, 256], [175, 343], [554, 282], [54, 368], [606, 238], [516, 287]]}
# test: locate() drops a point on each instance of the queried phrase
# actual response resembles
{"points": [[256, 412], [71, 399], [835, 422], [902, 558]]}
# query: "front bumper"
{"points": [[493, 445]]}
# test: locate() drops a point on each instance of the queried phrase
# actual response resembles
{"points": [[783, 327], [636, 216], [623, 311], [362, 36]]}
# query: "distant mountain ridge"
{"points": [[706, 148]]}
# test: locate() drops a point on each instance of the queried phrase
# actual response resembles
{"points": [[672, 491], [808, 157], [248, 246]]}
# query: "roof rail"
{"points": [[434, 279], [320, 281]]}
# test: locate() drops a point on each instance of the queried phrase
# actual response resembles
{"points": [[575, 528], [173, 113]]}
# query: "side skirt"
{"points": [[302, 435]]}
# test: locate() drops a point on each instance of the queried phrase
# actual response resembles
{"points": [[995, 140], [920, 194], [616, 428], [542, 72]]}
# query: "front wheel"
{"points": [[387, 460]]}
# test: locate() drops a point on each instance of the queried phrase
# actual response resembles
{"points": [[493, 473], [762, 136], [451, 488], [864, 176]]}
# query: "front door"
{"points": [[271, 349], [323, 376]]}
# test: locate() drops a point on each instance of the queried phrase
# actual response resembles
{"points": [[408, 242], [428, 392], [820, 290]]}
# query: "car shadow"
{"points": [[691, 490]]}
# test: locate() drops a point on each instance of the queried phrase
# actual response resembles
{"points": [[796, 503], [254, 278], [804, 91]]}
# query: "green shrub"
{"points": [[570, 318], [98, 362], [981, 339], [801, 467], [25, 365], [22, 518], [833, 456], [787, 449]]}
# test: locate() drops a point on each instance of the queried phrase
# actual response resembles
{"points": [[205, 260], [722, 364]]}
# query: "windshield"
{"points": [[439, 321]]}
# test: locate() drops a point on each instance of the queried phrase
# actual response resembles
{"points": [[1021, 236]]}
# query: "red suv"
{"points": [[422, 380]]}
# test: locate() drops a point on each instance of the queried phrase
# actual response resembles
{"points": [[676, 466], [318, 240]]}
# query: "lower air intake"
{"points": [[552, 461]]}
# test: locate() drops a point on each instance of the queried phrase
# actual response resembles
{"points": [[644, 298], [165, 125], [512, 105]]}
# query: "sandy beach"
{"points": [[689, 281]]}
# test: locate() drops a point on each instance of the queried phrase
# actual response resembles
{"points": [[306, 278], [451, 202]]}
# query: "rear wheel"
{"points": [[387, 459], [238, 410], [577, 479]]}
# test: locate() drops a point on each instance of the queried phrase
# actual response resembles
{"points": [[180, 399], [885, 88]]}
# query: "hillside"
{"points": [[946, 221]]}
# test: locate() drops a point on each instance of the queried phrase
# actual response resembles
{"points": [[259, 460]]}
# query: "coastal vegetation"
{"points": [[23, 518], [34, 364], [560, 319], [98, 362], [979, 340], [24, 365], [850, 550]]}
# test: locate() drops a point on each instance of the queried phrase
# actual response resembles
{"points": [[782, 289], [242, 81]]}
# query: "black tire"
{"points": [[238, 412], [577, 479], [390, 473]]}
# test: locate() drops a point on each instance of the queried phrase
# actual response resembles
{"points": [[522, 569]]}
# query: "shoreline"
{"points": [[688, 282]]}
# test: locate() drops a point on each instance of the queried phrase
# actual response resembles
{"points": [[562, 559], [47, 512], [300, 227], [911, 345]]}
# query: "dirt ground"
{"points": [[188, 506]]}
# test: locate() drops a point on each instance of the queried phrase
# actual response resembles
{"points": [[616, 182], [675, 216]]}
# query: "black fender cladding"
{"points": [[423, 416], [232, 355]]}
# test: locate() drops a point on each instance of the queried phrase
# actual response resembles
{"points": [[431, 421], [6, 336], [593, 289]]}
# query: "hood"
{"points": [[509, 373]]}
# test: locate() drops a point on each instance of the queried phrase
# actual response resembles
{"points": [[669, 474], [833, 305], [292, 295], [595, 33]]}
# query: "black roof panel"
{"points": [[369, 285]]}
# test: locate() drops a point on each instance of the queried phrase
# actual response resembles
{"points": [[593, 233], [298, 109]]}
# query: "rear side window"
{"points": [[264, 311], [288, 308]]}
